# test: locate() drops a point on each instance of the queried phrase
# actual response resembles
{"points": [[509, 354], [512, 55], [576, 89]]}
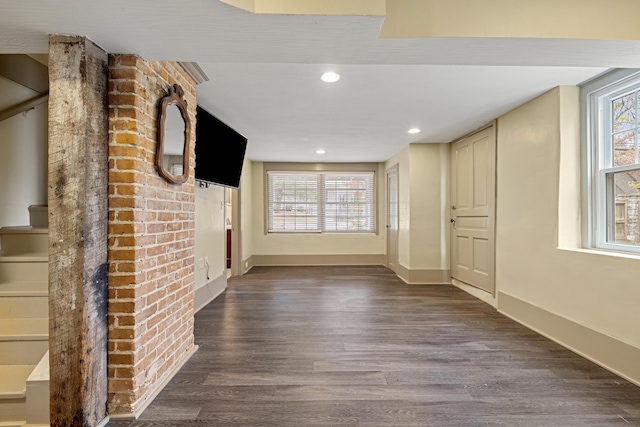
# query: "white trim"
{"points": [[423, 276], [596, 158], [610, 353], [195, 72], [312, 260], [209, 291]]}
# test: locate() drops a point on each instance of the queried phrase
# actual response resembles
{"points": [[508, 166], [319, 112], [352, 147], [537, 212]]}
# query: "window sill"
{"points": [[333, 233], [604, 252]]}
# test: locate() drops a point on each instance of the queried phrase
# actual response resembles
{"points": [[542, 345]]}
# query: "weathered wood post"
{"points": [[78, 215]]}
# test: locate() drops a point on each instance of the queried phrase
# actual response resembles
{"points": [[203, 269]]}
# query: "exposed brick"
{"points": [[151, 235]]}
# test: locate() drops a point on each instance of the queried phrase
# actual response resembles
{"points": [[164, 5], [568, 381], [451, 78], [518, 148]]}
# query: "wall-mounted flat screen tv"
{"points": [[219, 151]]}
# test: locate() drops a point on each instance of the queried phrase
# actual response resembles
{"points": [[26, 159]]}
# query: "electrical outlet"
{"points": [[200, 263], [206, 260], [246, 264]]}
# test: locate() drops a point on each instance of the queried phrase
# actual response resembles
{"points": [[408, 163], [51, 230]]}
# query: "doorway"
{"points": [[232, 233]]}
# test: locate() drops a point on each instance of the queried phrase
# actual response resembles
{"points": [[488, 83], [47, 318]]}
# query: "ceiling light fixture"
{"points": [[414, 130], [330, 77], [320, 151]]}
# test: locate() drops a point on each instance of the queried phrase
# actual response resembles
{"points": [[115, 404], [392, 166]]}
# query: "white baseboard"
{"points": [[610, 353], [247, 265], [423, 276], [158, 388], [207, 293], [313, 260]]}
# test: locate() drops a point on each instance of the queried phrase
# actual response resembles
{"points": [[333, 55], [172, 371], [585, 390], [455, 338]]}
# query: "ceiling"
{"points": [[264, 71]]}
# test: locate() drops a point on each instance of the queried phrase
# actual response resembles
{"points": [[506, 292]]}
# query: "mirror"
{"points": [[172, 156]]}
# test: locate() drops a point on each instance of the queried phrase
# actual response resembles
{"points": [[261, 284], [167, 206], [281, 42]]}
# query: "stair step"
{"points": [[39, 216], [13, 386], [23, 341], [24, 329], [24, 305], [24, 240], [38, 393], [24, 268], [24, 299], [40, 289], [13, 380]]}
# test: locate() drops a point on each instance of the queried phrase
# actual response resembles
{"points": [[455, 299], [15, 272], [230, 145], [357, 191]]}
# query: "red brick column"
{"points": [[151, 238]]}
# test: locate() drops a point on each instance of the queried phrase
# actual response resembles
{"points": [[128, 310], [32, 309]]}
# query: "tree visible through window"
{"points": [[615, 141], [321, 202]]}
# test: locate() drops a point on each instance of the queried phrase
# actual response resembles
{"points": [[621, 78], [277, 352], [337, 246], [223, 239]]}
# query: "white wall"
{"points": [[23, 165], [320, 244], [210, 244], [587, 300]]}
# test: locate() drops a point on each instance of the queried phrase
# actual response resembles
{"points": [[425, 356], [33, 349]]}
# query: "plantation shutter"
{"points": [[293, 201], [349, 202], [340, 202]]}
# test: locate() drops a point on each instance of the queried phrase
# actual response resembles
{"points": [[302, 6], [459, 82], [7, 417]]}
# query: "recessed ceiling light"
{"points": [[330, 77], [320, 151], [414, 130]]}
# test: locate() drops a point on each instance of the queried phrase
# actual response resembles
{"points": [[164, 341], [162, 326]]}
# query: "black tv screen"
{"points": [[219, 151]]}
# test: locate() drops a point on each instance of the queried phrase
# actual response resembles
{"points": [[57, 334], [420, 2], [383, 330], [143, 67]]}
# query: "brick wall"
{"points": [[151, 237]]}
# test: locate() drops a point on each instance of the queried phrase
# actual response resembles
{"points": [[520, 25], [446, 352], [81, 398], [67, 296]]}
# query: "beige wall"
{"points": [[429, 167], [295, 244], [423, 234], [23, 165], [595, 292]]}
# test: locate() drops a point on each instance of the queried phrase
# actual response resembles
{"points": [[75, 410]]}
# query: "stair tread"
{"points": [[22, 329], [13, 380], [26, 257], [35, 288], [23, 229]]}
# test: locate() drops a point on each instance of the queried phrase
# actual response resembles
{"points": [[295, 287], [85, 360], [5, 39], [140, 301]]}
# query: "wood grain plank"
{"points": [[355, 346]]}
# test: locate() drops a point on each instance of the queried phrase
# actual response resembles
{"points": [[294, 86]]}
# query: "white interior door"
{"points": [[392, 219], [473, 180]]}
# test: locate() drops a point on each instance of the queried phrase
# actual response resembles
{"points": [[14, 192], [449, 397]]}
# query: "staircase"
{"points": [[24, 326]]}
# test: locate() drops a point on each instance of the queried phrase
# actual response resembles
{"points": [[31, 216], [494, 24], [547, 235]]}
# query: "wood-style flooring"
{"points": [[355, 346]]}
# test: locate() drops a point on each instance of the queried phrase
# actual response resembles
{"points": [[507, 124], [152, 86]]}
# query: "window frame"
{"points": [[598, 155], [322, 169]]}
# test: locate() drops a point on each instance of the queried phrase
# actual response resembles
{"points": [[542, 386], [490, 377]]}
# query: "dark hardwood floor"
{"points": [[355, 346]]}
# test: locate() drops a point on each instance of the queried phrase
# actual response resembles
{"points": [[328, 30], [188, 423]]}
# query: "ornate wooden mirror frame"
{"points": [[172, 143]]}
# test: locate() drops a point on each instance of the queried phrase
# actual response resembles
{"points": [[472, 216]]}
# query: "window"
{"points": [[333, 202], [613, 139]]}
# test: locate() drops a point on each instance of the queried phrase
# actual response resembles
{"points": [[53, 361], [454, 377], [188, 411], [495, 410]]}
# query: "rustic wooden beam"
{"points": [[78, 180]]}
